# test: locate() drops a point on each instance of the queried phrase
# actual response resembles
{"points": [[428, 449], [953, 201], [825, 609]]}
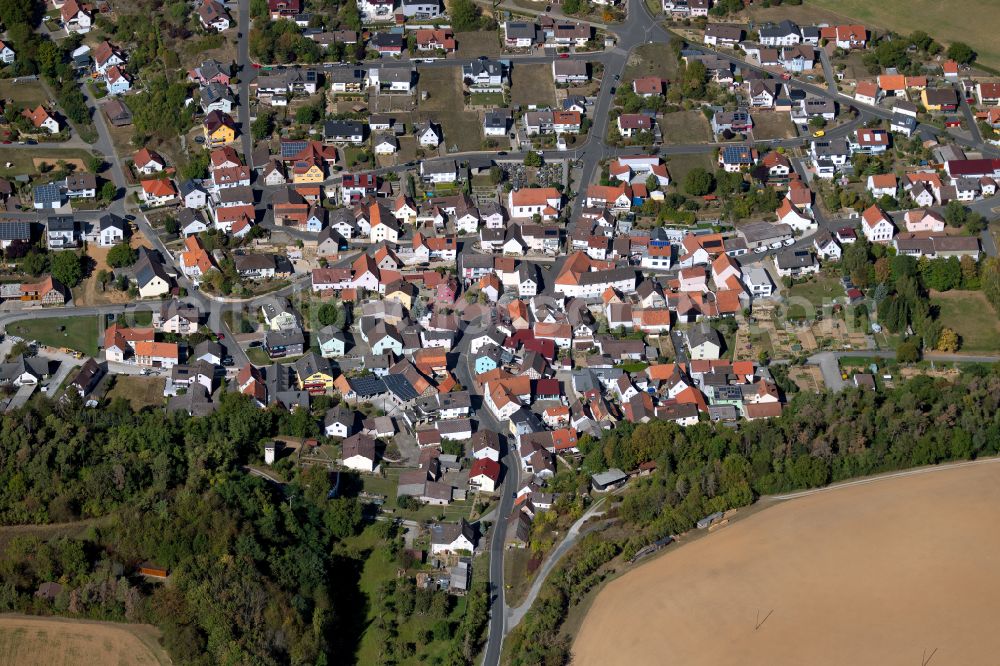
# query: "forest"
{"points": [[259, 573], [820, 439]]}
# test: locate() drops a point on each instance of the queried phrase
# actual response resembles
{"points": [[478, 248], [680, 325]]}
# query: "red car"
{"points": [[220, 336]]}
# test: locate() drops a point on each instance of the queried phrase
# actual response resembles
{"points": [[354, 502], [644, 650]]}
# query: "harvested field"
{"points": [[55, 641], [884, 572], [76, 163], [532, 84]]}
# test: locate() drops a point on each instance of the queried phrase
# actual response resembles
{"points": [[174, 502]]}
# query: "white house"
{"points": [[530, 201], [452, 538], [428, 135], [876, 225], [789, 214], [358, 453]]}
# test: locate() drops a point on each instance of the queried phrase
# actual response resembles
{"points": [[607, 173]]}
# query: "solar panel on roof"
{"points": [[367, 385]]}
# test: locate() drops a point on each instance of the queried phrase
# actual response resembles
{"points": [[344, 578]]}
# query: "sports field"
{"points": [[898, 571], [57, 642]]}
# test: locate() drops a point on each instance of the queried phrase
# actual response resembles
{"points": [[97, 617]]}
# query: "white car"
{"points": [[775, 245], [760, 250], [789, 242]]}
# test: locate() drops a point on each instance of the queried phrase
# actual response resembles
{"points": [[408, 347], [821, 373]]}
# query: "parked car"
{"points": [[775, 245], [760, 250], [789, 242]]}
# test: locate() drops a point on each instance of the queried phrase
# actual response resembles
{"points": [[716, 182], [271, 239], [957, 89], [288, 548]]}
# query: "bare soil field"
{"points": [[884, 572], [56, 641]]}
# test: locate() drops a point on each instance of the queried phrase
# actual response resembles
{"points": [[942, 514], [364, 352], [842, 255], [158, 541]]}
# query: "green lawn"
{"points": [[970, 315], [22, 160], [28, 93], [78, 333], [819, 290], [680, 165], [486, 99]]}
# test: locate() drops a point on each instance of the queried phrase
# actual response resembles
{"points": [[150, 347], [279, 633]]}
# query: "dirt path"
{"points": [[880, 571]]}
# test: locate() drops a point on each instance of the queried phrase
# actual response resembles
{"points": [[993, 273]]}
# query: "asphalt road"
{"points": [[498, 533]]}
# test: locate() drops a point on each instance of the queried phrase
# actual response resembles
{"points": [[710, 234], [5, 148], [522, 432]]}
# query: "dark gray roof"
{"points": [[49, 193], [400, 386], [367, 385], [15, 230]]}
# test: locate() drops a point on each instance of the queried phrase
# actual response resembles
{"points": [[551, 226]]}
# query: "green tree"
{"points": [[961, 53], [263, 125], [908, 352], [67, 268], [122, 255], [532, 159], [108, 190], [328, 314], [35, 263], [465, 16], [698, 182]]}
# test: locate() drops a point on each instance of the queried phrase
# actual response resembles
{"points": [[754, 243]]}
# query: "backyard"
{"points": [[819, 290], [77, 333], [970, 315], [386, 487], [381, 567]]}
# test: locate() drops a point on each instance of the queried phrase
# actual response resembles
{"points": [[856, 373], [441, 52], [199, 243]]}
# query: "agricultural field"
{"points": [[55, 641], [970, 315], [78, 333], [532, 84], [835, 574]]}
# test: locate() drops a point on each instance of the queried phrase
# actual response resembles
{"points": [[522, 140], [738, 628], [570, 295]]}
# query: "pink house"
{"points": [[693, 279], [447, 291], [923, 220]]}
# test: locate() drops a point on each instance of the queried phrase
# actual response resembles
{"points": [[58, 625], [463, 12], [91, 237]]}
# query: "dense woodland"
{"points": [[821, 438], [259, 574]]}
